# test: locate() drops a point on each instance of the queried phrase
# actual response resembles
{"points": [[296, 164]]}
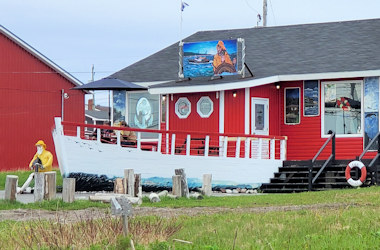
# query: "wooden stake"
{"points": [[184, 187], [129, 181], [11, 183], [50, 185], [176, 189], [137, 184], [39, 186], [68, 190], [118, 186], [206, 186]]}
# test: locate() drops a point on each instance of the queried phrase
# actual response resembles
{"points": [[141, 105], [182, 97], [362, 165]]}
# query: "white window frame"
{"points": [[299, 103], [319, 99], [199, 108], [361, 134], [180, 116]]}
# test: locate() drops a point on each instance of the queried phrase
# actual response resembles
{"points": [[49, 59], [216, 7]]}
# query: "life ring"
{"points": [[343, 104], [363, 176]]}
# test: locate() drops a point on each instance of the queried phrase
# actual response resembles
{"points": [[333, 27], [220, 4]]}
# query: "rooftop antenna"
{"points": [[265, 13]]}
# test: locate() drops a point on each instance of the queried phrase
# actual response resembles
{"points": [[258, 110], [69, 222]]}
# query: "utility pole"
{"points": [[93, 93], [265, 12]]}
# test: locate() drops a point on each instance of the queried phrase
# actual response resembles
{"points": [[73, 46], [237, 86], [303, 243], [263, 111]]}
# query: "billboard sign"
{"points": [[210, 58]]}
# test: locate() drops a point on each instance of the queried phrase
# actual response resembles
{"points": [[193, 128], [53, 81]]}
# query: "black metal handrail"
{"points": [[374, 161], [325, 164]]}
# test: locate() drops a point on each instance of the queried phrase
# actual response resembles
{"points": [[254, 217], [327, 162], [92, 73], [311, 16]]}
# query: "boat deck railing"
{"points": [[187, 143]]}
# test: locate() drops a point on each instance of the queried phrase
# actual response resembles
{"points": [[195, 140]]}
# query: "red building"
{"points": [[299, 81], [33, 90]]}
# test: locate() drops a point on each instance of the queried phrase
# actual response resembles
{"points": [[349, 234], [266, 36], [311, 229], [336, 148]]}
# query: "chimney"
{"points": [[90, 105]]}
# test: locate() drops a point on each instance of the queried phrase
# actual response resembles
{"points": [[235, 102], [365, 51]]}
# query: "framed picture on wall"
{"points": [[311, 98], [292, 105]]}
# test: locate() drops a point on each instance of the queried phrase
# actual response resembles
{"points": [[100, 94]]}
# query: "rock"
{"points": [[171, 196], [153, 197], [163, 193], [243, 190], [197, 196], [235, 191], [228, 191], [222, 190]]}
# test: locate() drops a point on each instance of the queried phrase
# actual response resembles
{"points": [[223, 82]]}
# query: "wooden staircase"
{"points": [[293, 176]]}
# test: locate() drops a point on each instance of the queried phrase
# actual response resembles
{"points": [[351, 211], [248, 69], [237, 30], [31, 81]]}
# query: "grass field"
{"points": [[336, 219]]}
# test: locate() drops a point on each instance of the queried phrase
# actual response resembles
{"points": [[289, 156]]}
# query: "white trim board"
{"points": [[262, 81]]}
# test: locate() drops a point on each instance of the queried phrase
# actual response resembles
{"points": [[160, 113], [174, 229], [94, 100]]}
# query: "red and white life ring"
{"points": [[363, 176]]}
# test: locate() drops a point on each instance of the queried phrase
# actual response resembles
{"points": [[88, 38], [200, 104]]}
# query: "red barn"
{"points": [[33, 90]]}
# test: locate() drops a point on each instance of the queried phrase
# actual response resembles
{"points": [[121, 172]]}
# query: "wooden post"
{"points": [[137, 184], [176, 189], [118, 187], [39, 186], [68, 190], [184, 187], [129, 182], [50, 185], [207, 187], [11, 183]]}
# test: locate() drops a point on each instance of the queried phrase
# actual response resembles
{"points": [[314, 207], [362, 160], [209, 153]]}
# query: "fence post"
{"points": [[11, 183], [129, 182], [137, 184], [50, 185], [333, 147], [68, 190], [184, 187], [176, 189], [39, 186], [206, 185]]}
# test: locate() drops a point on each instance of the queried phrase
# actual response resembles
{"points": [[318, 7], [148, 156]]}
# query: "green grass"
{"points": [[23, 175], [370, 195], [53, 205], [348, 228]]}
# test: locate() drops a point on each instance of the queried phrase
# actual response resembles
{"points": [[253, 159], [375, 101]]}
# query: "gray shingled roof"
{"points": [[283, 50], [97, 114]]}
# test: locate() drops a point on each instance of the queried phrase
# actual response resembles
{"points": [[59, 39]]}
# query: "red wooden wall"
{"points": [[304, 139], [30, 98], [194, 122]]}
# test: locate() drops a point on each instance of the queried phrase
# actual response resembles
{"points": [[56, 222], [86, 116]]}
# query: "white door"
{"points": [[260, 116]]}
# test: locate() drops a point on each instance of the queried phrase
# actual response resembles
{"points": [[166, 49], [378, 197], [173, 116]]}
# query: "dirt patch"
{"points": [[94, 213]]}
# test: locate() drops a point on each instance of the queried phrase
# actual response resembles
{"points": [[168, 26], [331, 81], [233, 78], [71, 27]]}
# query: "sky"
{"points": [[113, 34]]}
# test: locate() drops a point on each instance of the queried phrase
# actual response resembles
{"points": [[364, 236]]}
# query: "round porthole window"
{"points": [[205, 107], [183, 107]]}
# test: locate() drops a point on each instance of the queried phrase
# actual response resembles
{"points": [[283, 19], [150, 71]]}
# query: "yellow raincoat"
{"points": [[219, 59], [46, 158]]}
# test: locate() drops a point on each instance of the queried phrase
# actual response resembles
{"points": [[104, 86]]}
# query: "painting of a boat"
{"points": [[233, 160]]}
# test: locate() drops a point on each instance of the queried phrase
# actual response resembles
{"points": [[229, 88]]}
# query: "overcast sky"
{"points": [[112, 34]]}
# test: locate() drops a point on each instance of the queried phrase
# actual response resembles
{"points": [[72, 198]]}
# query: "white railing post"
{"points": [[139, 140], [118, 142], [167, 144], [207, 144], [272, 149], [188, 141], [247, 147], [283, 150], [159, 143], [98, 135], [260, 149], [237, 152], [78, 131], [225, 144], [173, 144]]}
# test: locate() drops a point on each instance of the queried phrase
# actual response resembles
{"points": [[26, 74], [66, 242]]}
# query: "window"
{"points": [[292, 105], [205, 107], [183, 108], [311, 98], [342, 108]]}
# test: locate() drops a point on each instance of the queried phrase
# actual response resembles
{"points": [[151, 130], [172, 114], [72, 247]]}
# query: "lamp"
{"points": [[234, 94], [278, 86]]}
